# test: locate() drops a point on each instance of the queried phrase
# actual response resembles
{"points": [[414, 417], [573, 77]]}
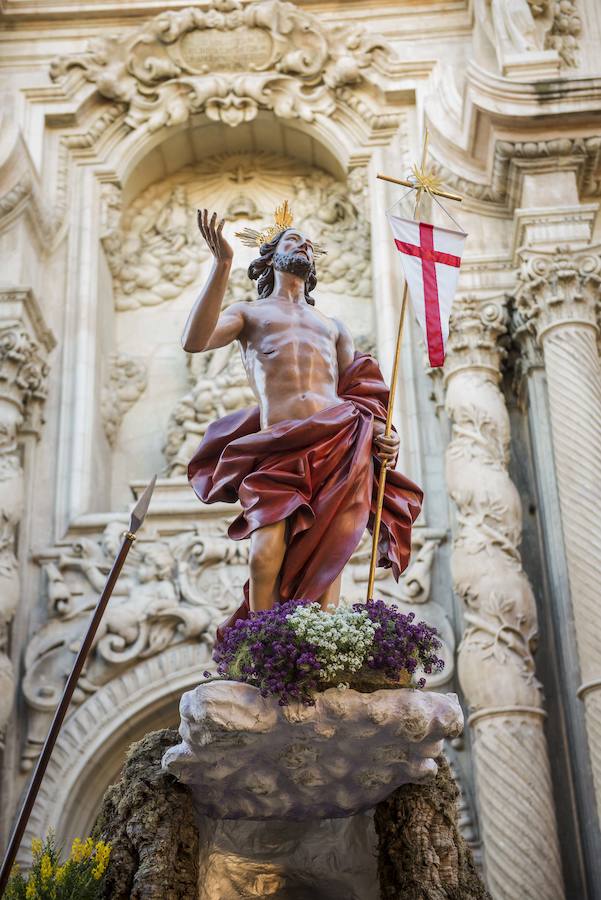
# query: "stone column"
{"points": [[23, 372], [559, 294], [495, 662]]}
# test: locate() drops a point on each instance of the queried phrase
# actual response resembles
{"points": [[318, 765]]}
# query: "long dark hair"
{"points": [[262, 272]]}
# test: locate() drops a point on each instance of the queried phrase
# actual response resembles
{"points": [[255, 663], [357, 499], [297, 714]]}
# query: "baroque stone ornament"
{"points": [[23, 385], [153, 250], [227, 59], [172, 591], [155, 254], [127, 379], [558, 293], [495, 662], [565, 30]]}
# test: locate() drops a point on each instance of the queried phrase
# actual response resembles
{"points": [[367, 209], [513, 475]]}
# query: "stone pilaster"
{"points": [[24, 342], [558, 294], [495, 661]]}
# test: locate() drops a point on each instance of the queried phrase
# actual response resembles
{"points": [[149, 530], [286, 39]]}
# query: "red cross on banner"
{"points": [[430, 257]]}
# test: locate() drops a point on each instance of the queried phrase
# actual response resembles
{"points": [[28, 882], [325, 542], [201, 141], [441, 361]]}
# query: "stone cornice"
{"points": [[74, 9], [19, 304], [511, 160]]}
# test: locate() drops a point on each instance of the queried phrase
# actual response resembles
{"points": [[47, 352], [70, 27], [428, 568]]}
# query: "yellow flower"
{"points": [[102, 854], [31, 891], [46, 868], [36, 846], [81, 851], [60, 873]]}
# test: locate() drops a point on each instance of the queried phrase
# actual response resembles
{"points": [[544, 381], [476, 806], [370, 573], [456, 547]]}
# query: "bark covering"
{"points": [[421, 852], [149, 820]]}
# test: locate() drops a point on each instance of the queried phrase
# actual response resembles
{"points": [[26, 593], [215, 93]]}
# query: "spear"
{"points": [[136, 519], [424, 181]]}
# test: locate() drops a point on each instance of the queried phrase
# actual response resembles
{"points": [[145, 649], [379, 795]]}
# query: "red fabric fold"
{"points": [[317, 473]]}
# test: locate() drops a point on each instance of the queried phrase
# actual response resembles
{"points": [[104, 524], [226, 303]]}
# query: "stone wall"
{"points": [[115, 126]]}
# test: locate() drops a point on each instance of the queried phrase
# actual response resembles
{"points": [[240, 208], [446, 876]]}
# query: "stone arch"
{"points": [[92, 745]]}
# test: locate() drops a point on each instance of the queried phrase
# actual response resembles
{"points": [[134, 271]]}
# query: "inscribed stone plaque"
{"points": [[226, 51]]}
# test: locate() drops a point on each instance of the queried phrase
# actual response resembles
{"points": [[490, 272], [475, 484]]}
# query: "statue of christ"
{"points": [[304, 463]]}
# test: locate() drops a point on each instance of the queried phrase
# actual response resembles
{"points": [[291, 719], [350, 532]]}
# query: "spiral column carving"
{"points": [[558, 296], [495, 662]]}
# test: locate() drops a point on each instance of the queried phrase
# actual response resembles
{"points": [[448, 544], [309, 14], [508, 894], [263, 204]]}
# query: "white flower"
{"points": [[342, 637]]}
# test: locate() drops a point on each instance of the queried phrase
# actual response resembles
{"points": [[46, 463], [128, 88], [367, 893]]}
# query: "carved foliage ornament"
{"points": [[23, 370], [227, 60], [557, 287]]}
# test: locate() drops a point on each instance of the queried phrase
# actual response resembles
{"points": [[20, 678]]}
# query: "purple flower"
{"points": [[265, 651]]}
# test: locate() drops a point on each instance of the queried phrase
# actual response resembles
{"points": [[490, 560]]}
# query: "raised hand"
{"points": [[213, 235]]}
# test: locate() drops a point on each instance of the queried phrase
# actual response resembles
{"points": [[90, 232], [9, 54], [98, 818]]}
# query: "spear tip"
{"points": [[139, 511]]}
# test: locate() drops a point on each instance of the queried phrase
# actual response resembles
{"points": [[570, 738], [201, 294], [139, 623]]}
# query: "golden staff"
{"points": [[135, 521], [422, 181]]}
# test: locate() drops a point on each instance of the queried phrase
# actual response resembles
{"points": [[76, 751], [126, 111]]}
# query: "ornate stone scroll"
{"points": [[558, 296], [24, 343], [228, 59], [172, 591], [495, 662]]}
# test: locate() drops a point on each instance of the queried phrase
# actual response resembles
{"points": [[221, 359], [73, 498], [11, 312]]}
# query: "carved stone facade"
{"points": [[495, 658], [24, 346], [559, 295], [117, 128]]}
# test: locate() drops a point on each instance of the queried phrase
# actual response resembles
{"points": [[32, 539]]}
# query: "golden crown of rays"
{"points": [[283, 219]]}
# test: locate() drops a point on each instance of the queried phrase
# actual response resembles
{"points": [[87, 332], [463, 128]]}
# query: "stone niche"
{"points": [[284, 796], [157, 400]]}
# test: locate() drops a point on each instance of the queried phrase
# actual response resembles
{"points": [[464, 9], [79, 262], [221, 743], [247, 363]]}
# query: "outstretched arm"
{"points": [[205, 328]]}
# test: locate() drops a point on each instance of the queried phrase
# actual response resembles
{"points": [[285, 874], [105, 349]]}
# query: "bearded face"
{"points": [[294, 261], [290, 251]]}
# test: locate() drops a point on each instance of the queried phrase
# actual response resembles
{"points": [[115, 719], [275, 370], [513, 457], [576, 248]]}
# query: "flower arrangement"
{"points": [[79, 878], [297, 649]]}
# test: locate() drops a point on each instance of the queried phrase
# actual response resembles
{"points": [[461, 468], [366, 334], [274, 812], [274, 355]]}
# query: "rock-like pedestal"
{"points": [[284, 795]]}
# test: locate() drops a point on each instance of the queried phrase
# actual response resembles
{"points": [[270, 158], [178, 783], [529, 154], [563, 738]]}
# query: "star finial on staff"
{"points": [[423, 179]]}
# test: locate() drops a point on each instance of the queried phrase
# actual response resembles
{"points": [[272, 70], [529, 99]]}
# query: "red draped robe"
{"points": [[320, 474]]}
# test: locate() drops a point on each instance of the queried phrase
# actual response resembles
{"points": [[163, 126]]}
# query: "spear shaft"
{"points": [[136, 519]]}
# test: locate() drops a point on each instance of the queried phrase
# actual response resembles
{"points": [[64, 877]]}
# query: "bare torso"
{"points": [[290, 355]]}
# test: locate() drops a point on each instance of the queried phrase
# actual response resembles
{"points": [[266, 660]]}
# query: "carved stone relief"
{"points": [[124, 385], [172, 590], [155, 254], [23, 385], [154, 251], [228, 60], [564, 31]]}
